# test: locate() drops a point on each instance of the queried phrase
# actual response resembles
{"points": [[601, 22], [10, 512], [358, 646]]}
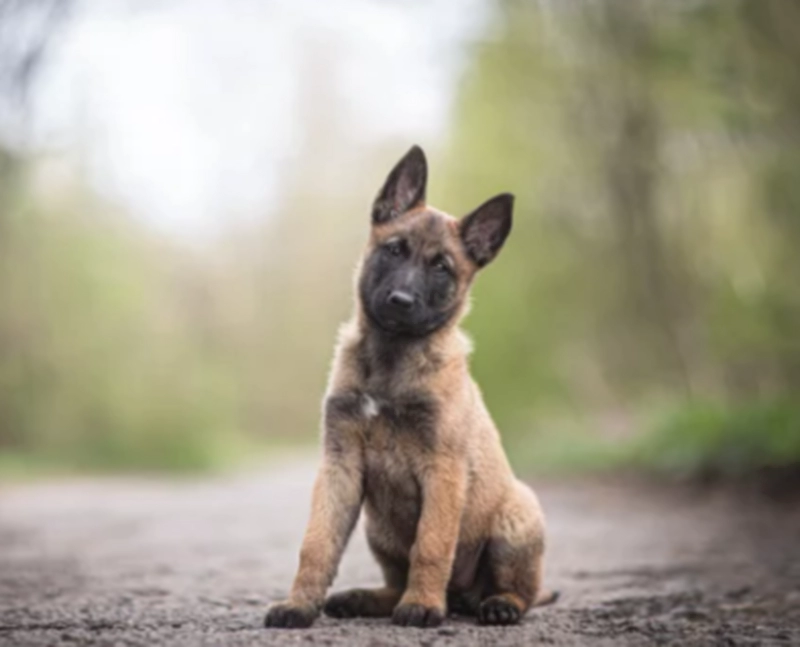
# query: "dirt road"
{"points": [[130, 562]]}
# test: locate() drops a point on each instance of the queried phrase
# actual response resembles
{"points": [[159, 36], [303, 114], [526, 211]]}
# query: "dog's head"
{"points": [[420, 262]]}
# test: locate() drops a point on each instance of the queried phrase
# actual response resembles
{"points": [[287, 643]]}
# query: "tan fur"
{"points": [[445, 516]]}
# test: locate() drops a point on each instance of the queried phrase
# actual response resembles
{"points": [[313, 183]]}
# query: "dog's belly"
{"points": [[466, 564]]}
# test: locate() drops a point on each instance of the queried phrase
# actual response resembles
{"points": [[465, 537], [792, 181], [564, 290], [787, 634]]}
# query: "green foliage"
{"points": [[710, 439], [652, 266], [570, 446], [95, 371], [696, 439], [653, 256]]}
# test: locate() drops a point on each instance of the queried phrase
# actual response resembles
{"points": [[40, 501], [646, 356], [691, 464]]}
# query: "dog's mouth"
{"points": [[407, 327], [398, 326]]}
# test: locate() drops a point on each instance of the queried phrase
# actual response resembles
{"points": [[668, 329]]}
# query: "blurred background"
{"points": [[185, 189]]}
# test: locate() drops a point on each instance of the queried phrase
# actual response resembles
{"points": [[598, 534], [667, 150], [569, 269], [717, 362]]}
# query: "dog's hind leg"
{"points": [[366, 603], [514, 552], [372, 603]]}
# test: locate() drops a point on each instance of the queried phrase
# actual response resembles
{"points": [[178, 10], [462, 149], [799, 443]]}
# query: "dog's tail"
{"points": [[546, 597]]}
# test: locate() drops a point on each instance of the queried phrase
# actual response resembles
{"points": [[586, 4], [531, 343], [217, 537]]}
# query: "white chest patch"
{"points": [[369, 407]]}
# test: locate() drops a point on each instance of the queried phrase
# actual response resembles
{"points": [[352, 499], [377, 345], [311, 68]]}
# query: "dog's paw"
{"points": [[284, 615], [348, 604], [417, 615], [498, 611]]}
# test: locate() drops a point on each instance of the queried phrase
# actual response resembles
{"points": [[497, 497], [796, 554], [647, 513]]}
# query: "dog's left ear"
{"points": [[404, 189], [484, 231]]}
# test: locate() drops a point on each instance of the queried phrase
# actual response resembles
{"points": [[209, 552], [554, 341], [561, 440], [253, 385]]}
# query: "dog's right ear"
{"points": [[484, 231], [404, 189]]}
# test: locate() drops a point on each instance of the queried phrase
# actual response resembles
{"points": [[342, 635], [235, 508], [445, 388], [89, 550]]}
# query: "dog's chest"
{"points": [[390, 474], [398, 433], [392, 490], [397, 421]]}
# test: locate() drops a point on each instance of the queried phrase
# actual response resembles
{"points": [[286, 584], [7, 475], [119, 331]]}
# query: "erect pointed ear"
{"points": [[404, 189], [484, 231]]}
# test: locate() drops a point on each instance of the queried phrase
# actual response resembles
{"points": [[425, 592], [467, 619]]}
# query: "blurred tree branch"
{"points": [[26, 29]]}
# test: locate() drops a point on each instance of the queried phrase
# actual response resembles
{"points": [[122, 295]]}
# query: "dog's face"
{"points": [[420, 262]]}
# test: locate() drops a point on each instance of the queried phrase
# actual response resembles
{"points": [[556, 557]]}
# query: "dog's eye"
{"points": [[395, 247], [439, 263]]}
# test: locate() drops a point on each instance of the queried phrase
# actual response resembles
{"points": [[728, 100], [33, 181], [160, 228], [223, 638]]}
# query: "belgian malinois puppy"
{"points": [[406, 434]]}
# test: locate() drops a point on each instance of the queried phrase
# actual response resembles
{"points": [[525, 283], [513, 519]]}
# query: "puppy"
{"points": [[408, 437]]}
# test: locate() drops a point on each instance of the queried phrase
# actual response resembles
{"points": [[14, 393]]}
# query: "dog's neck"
{"points": [[389, 352], [384, 354]]}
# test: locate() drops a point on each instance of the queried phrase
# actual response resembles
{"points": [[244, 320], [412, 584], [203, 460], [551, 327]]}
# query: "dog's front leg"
{"points": [[424, 601], [334, 511]]}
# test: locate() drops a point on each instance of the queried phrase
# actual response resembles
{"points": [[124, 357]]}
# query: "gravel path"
{"points": [[143, 562]]}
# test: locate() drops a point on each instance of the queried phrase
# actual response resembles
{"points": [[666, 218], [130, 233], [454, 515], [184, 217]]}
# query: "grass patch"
{"points": [[710, 439], [219, 456], [566, 451], [697, 439]]}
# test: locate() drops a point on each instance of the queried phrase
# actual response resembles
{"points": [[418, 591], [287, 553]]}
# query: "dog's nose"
{"points": [[401, 299]]}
